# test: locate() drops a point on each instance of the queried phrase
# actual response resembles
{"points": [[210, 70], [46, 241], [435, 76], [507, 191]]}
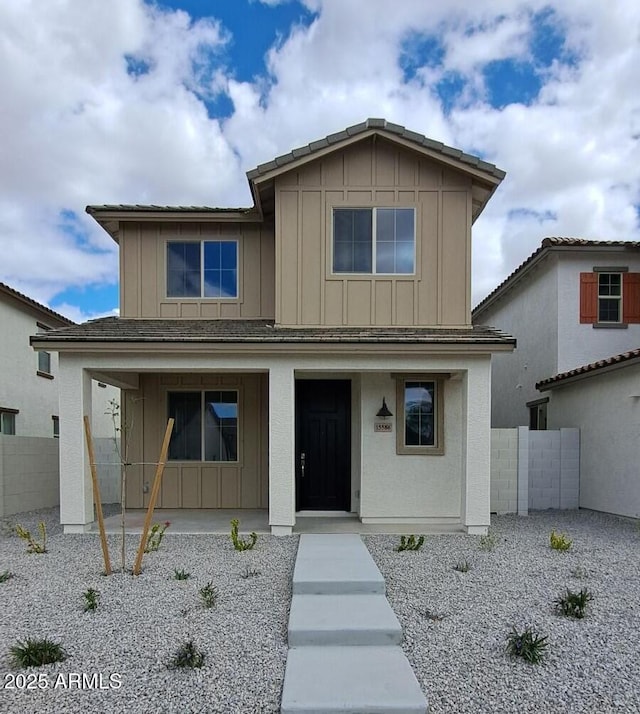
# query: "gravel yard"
{"points": [[455, 623]]}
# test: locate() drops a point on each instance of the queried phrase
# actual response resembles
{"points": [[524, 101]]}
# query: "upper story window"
{"points": [[374, 240], [610, 297], [202, 269], [44, 358]]}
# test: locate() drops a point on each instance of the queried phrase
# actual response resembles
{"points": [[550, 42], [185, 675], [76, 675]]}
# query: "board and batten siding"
{"points": [[373, 174], [143, 290], [196, 484]]}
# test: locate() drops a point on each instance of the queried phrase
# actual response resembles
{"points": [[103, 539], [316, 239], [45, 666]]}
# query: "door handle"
{"points": [[303, 459]]}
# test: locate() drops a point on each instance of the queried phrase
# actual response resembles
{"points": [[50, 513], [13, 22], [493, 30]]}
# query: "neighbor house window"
{"points": [[56, 427], [44, 363], [374, 240], [202, 269], [420, 416], [610, 297], [8, 421], [538, 414], [206, 425]]}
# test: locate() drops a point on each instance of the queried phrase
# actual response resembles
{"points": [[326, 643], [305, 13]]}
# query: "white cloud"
{"points": [[84, 130]]}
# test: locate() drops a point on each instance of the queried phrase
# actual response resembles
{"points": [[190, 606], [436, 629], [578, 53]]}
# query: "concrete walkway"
{"points": [[344, 638]]}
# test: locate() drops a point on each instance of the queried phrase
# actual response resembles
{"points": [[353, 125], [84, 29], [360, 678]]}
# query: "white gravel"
{"points": [[455, 624], [592, 665], [142, 620]]}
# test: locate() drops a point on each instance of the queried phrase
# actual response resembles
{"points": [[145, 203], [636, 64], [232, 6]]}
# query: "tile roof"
{"points": [[140, 208], [547, 245], [115, 329], [31, 302], [382, 125], [550, 382]]}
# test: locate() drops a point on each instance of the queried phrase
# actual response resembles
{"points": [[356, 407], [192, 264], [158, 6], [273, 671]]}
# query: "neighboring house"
{"points": [[316, 350], [570, 303], [603, 400], [28, 381]]}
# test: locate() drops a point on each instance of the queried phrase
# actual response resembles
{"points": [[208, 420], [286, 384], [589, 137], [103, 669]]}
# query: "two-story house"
{"points": [[571, 303], [315, 350]]}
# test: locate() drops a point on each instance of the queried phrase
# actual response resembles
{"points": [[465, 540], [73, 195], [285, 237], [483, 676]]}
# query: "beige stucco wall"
{"points": [[143, 290], [373, 173]]}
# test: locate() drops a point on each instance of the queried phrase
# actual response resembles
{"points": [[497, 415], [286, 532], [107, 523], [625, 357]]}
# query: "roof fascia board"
{"points": [[40, 311], [311, 156], [178, 216]]}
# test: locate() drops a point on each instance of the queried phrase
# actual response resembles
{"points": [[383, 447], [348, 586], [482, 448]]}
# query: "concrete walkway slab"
{"points": [[334, 565], [375, 680], [342, 620]]}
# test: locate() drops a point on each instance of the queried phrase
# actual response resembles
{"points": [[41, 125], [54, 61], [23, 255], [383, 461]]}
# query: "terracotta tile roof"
{"points": [[114, 329], [546, 246], [385, 126], [32, 303], [550, 382]]}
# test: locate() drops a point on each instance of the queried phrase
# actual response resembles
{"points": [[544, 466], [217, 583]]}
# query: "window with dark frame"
{"points": [[202, 269], [374, 241], [56, 426], [206, 425], [420, 414], [44, 362], [8, 421]]}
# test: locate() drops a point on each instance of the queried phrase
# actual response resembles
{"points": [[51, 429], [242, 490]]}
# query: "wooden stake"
{"points": [[96, 496], [154, 495]]}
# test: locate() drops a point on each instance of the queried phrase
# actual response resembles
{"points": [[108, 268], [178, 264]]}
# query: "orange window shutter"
{"points": [[631, 297], [588, 297]]}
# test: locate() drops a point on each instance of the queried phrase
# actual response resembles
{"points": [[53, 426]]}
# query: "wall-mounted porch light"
{"points": [[384, 412]]}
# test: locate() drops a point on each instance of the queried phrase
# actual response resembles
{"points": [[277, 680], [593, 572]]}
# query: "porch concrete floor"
{"points": [[185, 520]]}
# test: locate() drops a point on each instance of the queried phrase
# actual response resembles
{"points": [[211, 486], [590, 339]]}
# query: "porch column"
{"points": [[476, 487], [281, 450], [76, 493]]}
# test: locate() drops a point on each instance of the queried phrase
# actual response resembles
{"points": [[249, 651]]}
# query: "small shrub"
{"points": [[91, 599], [559, 541], [181, 574], [410, 543], [34, 546], [209, 595], [489, 541], [34, 653], [155, 536], [249, 573], [574, 604], [187, 655], [526, 644], [238, 543], [462, 566], [6, 575]]}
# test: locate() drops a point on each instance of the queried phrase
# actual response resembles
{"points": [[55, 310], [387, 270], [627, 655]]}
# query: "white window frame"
{"points": [[374, 242], [618, 298], [202, 392], [202, 242]]}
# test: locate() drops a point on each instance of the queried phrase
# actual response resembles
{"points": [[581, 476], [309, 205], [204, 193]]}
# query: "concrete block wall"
{"points": [[504, 470], [29, 473], [534, 470]]}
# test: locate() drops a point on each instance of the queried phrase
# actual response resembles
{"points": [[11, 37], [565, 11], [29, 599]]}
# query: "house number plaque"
{"points": [[383, 426]]}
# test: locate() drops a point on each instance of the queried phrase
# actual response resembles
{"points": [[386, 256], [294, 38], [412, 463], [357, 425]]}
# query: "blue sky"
{"points": [[133, 102]]}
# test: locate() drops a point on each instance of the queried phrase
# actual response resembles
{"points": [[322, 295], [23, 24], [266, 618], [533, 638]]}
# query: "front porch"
{"points": [[217, 521]]}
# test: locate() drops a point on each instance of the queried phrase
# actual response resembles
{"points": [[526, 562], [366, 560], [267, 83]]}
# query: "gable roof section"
{"points": [[548, 245], [588, 370], [484, 174], [46, 313]]}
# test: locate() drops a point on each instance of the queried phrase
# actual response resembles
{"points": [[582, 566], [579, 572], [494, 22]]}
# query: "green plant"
{"points": [[249, 573], [488, 541], [33, 546], [155, 536], [462, 566], [181, 574], [527, 644], [238, 543], [559, 541], [6, 575], [573, 604], [33, 653], [208, 594], [410, 543], [91, 599], [187, 655]]}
